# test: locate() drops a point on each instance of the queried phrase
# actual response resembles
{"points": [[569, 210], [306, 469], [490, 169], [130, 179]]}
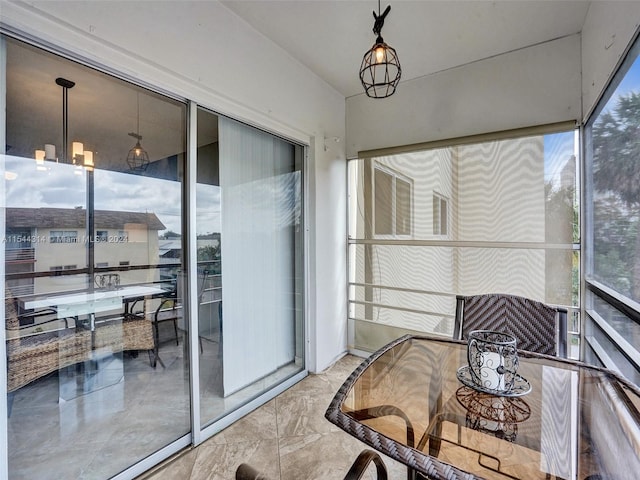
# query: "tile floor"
{"points": [[115, 414], [288, 438]]}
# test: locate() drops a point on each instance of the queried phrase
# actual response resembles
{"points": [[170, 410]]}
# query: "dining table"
{"points": [[414, 401], [94, 301]]}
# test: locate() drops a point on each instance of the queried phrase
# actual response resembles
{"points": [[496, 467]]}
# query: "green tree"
{"points": [[616, 180], [209, 252]]}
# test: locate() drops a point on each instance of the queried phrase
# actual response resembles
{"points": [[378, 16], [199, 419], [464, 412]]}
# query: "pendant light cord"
{"points": [[138, 103]]}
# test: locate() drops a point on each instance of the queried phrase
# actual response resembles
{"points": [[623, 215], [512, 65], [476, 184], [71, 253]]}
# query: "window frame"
{"points": [[395, 175], [64, 237], [595, 291], [440, 199]]}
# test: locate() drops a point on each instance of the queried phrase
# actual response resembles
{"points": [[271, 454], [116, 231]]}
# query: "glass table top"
{"points": [[407, 402]]}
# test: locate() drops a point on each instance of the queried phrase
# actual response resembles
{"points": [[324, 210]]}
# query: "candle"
{"points": [[40, 156], [78, 149], [488, 371], [88, 160]]}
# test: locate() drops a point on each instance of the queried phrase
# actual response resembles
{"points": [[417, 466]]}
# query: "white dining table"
{"points": [[90, 303]]}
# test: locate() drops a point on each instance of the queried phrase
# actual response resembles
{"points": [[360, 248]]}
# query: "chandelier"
{"points": [[79, 156]]}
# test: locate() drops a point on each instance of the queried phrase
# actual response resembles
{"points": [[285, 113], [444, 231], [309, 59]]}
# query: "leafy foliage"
{"points": [[616, 180]]}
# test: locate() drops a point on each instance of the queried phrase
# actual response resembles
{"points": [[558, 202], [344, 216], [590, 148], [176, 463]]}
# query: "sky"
{"points": [[59, 187], [630, 83], [558, 149]]}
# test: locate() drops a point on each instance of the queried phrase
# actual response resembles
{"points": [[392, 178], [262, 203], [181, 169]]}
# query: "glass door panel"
{"points": [[96, 382], [250, 250]]}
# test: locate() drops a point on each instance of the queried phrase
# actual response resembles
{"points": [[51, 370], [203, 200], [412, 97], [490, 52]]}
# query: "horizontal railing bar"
{"points": [[627, 306], [602, 355], [440, 294], [628, 350], [402, 309], [467, 244], [84, 271], [400, 289]]}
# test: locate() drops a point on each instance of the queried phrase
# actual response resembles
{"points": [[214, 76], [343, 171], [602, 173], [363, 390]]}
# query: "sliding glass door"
{"points": [[249, 219], [102, 300], [93, 189]]}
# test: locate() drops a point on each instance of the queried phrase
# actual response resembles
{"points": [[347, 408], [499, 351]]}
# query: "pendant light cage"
{"points": [[380, 70], [137, 158]]}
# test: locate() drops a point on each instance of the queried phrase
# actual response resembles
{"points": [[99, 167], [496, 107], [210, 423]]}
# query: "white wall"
{"points": [[607, 32], [203, 52], [532, 86], [552, 82]]}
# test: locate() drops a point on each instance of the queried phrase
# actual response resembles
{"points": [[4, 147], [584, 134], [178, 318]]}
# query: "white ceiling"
{"points": [[331, 36]]}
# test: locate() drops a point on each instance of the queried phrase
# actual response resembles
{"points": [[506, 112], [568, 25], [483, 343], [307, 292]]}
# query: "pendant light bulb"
{"points": [[380, 54]]}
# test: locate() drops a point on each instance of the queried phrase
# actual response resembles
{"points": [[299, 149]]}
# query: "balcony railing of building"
{"points": [[20, 255]]}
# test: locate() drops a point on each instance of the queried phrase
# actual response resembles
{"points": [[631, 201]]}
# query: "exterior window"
{"points": [[123, 236], [102, 235], [102, 264], [63, 236], [124, 263], [612, 327], [449, 225], [392, 202], [440, 213]]}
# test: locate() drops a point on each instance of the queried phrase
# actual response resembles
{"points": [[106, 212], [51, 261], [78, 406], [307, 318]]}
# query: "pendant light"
{"points": [[137, 158], [380, 70], [79, 156]]}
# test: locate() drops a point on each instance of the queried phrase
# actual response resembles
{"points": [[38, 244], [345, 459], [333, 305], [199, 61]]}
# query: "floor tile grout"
{"points": [[306, 448]]}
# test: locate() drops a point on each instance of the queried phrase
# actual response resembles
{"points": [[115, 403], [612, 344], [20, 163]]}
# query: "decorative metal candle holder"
{"points": [[108, 281], [493, 360], [495, 415]]}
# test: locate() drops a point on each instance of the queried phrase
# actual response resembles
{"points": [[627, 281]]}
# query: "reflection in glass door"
{"points": [[250, 250], [97, 377], [97, 313]]}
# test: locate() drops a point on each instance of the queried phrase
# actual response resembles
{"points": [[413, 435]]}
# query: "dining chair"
{"points": [[537, 327], [42, 346], [357, 470], [171, 309]]}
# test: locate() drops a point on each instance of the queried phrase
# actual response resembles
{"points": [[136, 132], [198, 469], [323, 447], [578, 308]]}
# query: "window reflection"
{"points": [[88, 265], [614, 259], [616, 180]]}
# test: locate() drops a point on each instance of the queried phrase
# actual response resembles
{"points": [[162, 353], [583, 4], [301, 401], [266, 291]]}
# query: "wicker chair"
{"points": [[357, 470], [32, 356], [131, 333], [537, 327]]}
